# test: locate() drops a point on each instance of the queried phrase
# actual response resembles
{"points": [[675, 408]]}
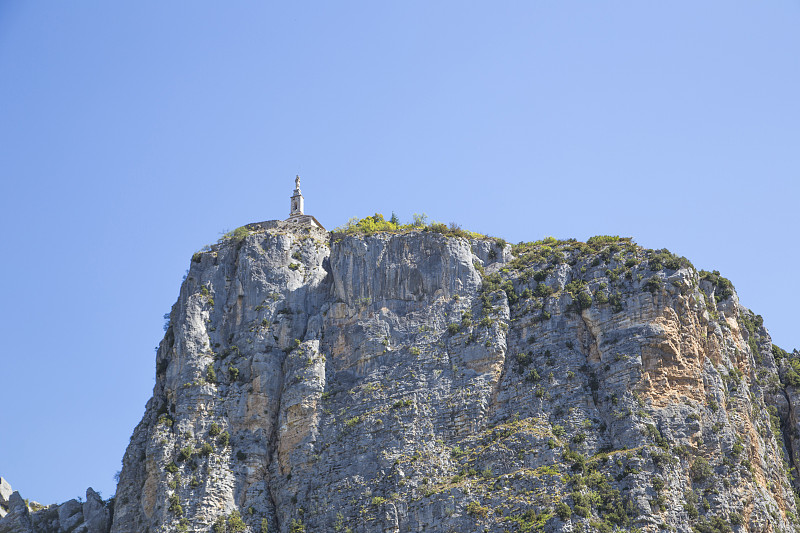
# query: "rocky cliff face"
{"points": [[425, 382]]}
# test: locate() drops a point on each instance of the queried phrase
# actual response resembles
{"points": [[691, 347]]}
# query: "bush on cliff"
{"points": [[377, 224]]}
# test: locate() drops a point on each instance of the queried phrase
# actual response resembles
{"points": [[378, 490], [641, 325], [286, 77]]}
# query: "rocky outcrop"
{"points": [[92, 516], [5, 494], [416, 381], [432, 381]]}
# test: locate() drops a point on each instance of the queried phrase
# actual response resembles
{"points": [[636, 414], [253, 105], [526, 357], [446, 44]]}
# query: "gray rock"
{"points": [[16, 503], [92, 516], [18, 519], [95, 513], [386, 383], [70, 515], [360, 379], [5, 492]]}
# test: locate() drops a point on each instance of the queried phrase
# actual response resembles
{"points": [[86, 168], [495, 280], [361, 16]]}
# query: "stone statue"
{"points": [[297, 181]]}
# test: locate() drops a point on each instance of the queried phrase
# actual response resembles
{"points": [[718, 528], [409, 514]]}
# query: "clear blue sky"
{"points": [[133, 133]]}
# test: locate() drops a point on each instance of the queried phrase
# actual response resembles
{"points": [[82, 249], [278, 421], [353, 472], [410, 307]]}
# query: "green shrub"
{"points": [[653, 284], [541, 275], [511, 294], [774, 420], [737, 449], [779, 353], [600, 297], [601, 527], [530, 520], [171, 468], [652, 431], [700, 469], [662, 458], [376, 223], [715, 524], [206, 449], [661, 259], [491, 283], [583, 300], [477, 510], [723, 288], [233, 372], [543, 290], [264, 525], [658, 483], [235, 523], [175, 504], [186, 453], [214, 430], [578, 460], [792, 374], [437, 227], [563, 511], [294, 266], [575, 287], [224, 439], [599, 240], [616, 302], [582, 504], [211, 375], [368, 225], [236, 235]]}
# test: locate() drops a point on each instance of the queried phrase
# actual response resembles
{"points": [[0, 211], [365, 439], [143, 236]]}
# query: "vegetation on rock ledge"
{"points": [[377, 224]]}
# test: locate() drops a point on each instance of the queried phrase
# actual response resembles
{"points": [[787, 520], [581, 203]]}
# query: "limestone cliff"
{"points": [[423, 381]]}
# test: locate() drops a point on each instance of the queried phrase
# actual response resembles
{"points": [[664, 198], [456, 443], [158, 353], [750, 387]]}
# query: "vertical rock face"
{"points": [[424, 382], [410, 382]]}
